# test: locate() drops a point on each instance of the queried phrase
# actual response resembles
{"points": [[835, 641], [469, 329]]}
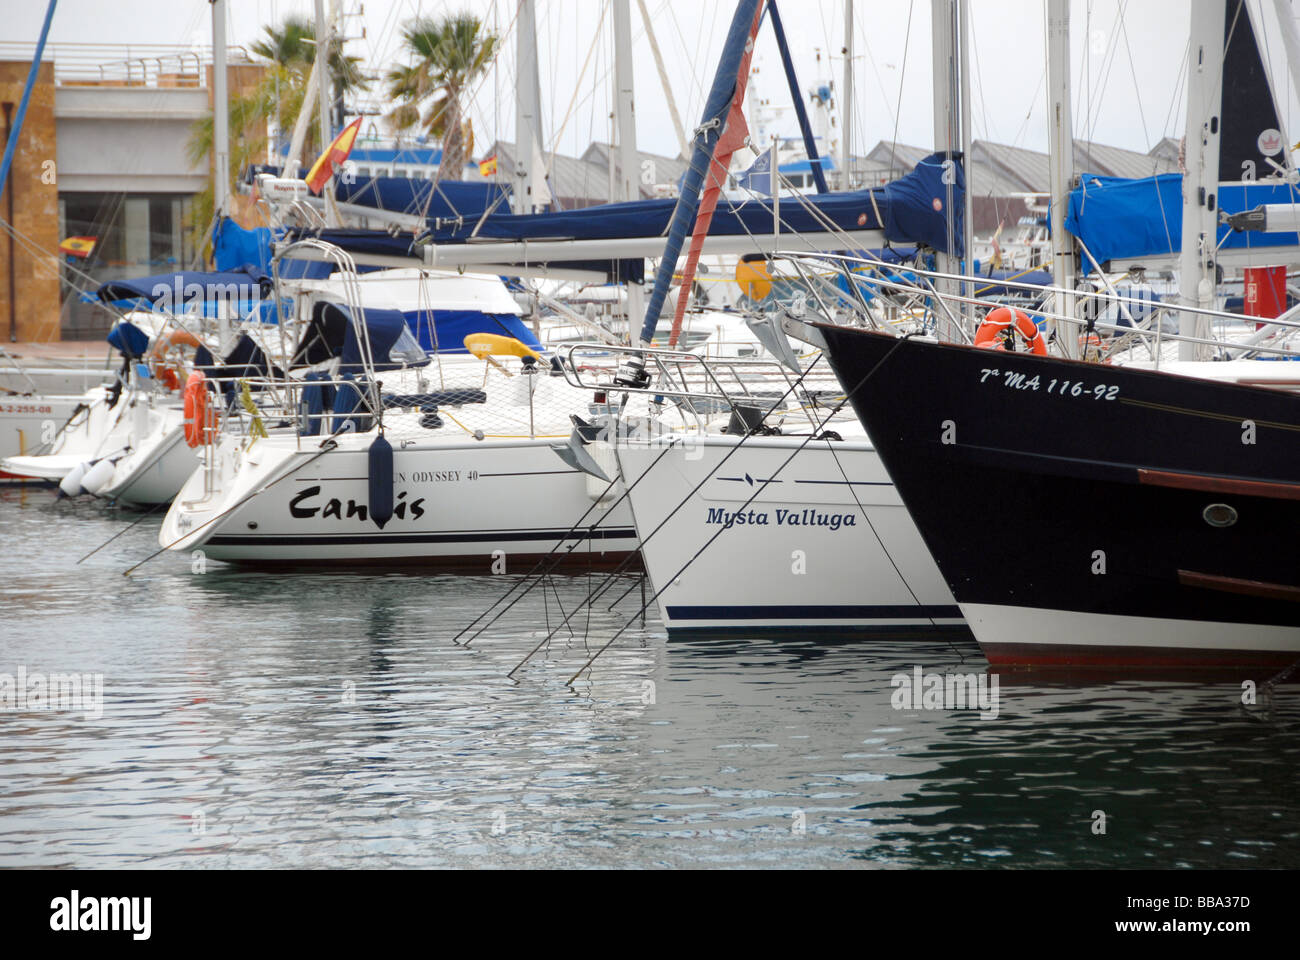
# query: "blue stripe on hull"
{"points": [[860, 612], [500, 536]]}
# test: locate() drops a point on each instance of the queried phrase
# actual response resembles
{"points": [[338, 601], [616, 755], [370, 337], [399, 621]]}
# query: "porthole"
{"points": [[1219, 515]]}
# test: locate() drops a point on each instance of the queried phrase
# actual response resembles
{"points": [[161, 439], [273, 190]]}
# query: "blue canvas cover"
{"points": [[332, 333], [911, 211], [446, 199], [383, 328], [906, 206], [128, 339], [1118, 218], [444, 331], [235, 248], [178, 292]]}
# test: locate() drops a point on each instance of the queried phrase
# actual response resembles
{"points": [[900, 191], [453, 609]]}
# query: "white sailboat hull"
{"points": [[81, 437], [493, 506], [827, 547], [157, 462]]}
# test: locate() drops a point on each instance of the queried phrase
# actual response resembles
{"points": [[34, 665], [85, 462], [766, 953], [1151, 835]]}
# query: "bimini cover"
{"points": [[332, 333], [128, 339], [192, 291], [1117, 218]]}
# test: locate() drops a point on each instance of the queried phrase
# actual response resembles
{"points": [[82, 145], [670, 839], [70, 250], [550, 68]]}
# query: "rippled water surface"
{"points": [[279, 720]]}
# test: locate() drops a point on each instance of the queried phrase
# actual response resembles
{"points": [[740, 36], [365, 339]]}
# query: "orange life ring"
{"points": [[198, 428], [999, 319], [165, 373]]}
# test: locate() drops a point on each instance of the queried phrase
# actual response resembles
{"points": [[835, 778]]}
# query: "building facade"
{"points": [[103, 155]]}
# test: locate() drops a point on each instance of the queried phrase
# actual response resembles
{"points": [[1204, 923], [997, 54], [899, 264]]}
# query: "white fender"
{"points": [[71, 484], [99, 476]]}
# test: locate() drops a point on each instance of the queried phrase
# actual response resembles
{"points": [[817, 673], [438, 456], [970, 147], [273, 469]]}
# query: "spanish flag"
{"points": [[78, 246], [488, 167], [333, 157]]}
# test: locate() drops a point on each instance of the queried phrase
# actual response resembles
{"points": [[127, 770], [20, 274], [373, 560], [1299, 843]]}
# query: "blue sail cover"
{"points": [[907, 208], [1117, 218], [451, 199]]}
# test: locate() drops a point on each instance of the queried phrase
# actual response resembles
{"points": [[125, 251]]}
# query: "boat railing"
{"points": [[318, 405], [1143, 323], [701, 387]]}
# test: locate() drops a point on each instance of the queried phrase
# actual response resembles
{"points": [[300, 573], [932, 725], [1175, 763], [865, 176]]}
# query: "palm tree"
{"points": [[450, 53], [288, 52], [293, 45]]}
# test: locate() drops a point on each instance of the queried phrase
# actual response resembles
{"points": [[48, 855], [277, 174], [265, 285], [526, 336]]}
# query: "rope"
{"points": [[605, 585], [326, 446]]}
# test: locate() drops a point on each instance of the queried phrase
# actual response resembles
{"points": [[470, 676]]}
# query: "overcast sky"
{"points": [[1127, 60]]}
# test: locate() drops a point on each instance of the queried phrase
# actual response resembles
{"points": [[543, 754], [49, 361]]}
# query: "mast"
{"points": [[323, 92], [1201, 180], [220, 113], [797, 95], [293, 160], [846, 99], [968, 219], [530, 191], [629, 165], [663, 80], [1060, 164], [947, 133], [717, 110]]}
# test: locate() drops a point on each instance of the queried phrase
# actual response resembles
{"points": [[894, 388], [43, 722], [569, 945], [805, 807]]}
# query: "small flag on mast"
{"points": [[762, 173], [78, 246], [488, 167], [329, 161]]}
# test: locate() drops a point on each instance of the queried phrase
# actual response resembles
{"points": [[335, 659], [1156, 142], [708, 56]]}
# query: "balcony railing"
{"points": [[159, 65]]}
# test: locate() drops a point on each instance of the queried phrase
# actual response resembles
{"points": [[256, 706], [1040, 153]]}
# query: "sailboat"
{"points": [[1090, 514], [778, 518], [368, 449]]}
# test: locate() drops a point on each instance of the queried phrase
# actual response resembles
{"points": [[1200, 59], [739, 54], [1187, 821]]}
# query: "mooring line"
{"points": [[609, 579], [326, 446], [961, 657], [554, 556], [537, 571], [128, 527]]}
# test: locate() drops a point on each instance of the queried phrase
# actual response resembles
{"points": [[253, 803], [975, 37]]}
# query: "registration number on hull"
{"points": [[1015, 380]]}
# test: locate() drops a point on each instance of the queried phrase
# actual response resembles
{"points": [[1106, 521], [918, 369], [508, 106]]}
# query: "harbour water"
{"points": [[317, 720]]}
